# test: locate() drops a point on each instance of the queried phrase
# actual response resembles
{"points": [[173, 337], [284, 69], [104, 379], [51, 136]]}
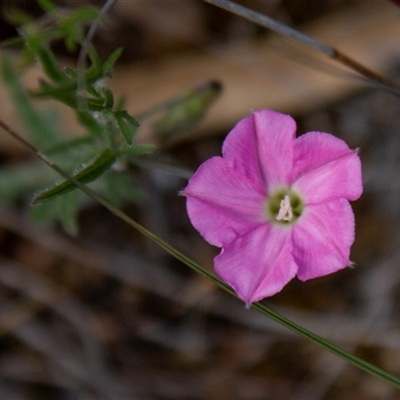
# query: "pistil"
{"points": [[285, 211]]}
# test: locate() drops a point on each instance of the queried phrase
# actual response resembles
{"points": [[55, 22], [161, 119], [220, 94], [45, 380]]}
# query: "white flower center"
{"points": [[285, 211]]}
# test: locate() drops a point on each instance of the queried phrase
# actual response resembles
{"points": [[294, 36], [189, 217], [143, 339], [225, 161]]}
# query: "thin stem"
{"points": [[270, 23], [85, 47], [356, 361], [331, 52], [350, 358]]}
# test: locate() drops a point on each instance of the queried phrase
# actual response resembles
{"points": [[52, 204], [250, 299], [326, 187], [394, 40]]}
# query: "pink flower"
{"points": [[277, 205]]}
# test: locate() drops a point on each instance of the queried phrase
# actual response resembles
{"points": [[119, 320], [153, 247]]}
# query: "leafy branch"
{"points": [[109, 128]]}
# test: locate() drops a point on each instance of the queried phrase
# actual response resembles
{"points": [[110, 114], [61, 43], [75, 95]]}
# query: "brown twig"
{"points": [[270, 23]]}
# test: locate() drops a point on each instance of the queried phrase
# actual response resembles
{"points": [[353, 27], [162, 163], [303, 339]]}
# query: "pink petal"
{"points": [[223, 204], [261, 148], [325, 168], [322, 238], [257, 264]]}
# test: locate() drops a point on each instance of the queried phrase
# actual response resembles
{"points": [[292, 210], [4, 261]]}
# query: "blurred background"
{"points": [[109, 315]]}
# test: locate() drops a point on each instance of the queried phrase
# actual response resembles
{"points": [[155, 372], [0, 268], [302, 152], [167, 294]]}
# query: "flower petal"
{"points": [[322, 238], [325, 168], [222, 204], [261, 148], [257, 264]]}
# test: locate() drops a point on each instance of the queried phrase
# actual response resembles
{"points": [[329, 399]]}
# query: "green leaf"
{"points": [[67, 146], [68, 208], [47, 6], [127, 125], [111, 60], [133, 121], [93, 92], [17, 180], [84, 14], [126, 133], [188, 110], [40, 131], [138, 149], [120, 187], [62, 93], [95, 69], [50, 66], [108, 97], [120, 104], [87, 174], [71, 73], [44, 213], [87, 119]]}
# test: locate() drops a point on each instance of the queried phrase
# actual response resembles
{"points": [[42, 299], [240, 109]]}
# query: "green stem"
{"points": [[352, 359]]}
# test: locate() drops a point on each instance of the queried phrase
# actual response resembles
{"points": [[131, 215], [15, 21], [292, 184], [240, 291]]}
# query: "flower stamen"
{"points": [[285, 211]]}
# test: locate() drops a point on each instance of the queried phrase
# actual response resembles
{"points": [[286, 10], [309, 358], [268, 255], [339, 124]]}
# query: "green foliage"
{"points": [[188, 109], [87, 174], [64, 208], [86, 92], [39, 129], [109, 128]]}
